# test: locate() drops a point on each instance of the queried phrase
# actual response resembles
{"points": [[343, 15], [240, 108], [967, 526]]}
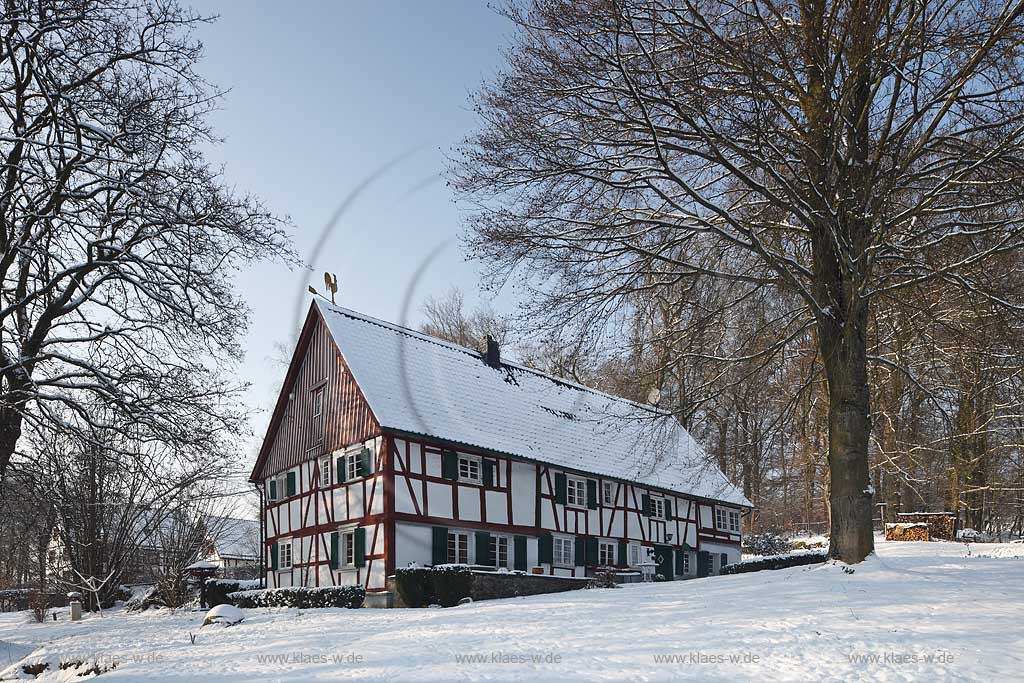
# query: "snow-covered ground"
{"points": [[916, 611]]}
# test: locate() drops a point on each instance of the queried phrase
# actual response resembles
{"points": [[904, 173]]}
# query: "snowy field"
{"points": [[916, 611]]}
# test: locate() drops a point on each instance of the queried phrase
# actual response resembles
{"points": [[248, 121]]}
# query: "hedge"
{"points": [[443, 585], [306, 598], [776, 562], [217, 590]]}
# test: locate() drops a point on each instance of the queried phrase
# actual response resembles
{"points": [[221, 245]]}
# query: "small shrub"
{"points": [[768, 543], [776, 562], [39, 606], [351, 597], [603, 579]]}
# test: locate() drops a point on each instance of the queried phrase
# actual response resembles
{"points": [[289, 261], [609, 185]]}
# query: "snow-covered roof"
{"points": [[422, 385]]}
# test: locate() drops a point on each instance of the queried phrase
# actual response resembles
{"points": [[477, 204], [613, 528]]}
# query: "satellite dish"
{"points": [[654, 396]]}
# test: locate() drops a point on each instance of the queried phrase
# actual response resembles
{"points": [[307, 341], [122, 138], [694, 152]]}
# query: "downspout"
{"points": [[263, 534]]}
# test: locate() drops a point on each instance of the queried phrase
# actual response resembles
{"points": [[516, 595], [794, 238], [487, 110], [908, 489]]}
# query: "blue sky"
{"points": [[322, 96]]}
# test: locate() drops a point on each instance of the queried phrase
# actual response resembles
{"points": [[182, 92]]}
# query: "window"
{"points": [[734, 520], [458, 547], [352, 466], [499, 551], [606, 552], [469, 469], [325, 471], [728, 520], [317, 404], [348, 548], [658, 508], [576, 492], [563, 551], [686, 563], [282, 486], [284, 555], [607, 493], [274, 489], [636, 554]]}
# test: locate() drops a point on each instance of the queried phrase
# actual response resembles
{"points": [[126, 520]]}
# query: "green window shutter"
{"points": [[623, 555], [488, 466], [483, 547], [679, 561], [359, 541], [668, 509], [545, 549], [725, 559], [364, 462], [339, 470], [561, 488], [519, 548], [273, 557], [291, 484], [645, 505], [591, 494], [591, 551], [439, 548], [334, 550], [580, 550], [449, 468], [273, 489]]}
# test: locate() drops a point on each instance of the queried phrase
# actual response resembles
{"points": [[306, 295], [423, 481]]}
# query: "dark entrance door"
{"points": [[703, 563], [663, 561]]}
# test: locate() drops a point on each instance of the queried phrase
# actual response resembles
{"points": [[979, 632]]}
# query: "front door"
{"points": [[663, 561], [703, 564]]}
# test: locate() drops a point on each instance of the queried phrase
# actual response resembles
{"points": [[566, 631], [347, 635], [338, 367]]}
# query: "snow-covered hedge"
{"points": [[443, 585], [306, 598], [217, 590], [775, 562], [768, 543]]}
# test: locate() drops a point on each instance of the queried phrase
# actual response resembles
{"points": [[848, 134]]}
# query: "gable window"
{"points": [[469, 469], [458, 547], [576, 492], [734, 520], [606, 552], [317, 405], [658, 508], [325, 471], [563, 551], [284, 555], [499, 551], [607, 493]]}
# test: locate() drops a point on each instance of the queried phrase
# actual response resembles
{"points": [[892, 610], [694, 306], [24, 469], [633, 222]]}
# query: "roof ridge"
{"points": [[420, 336]]}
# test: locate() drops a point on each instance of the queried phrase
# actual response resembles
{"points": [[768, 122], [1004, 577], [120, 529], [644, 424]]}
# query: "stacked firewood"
{"points": [[916, 531], [940, 525]]}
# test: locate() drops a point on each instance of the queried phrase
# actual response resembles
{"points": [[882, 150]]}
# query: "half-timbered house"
{"points": [[389, 448]]}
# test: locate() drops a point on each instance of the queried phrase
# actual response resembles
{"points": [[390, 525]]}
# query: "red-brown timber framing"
{"points": [[292, 439]]}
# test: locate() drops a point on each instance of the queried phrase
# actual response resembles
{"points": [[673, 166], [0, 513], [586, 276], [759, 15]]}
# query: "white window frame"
{"points": [[734, 520], [317, 404], [658, 508], [607, 493], [281, 564], [575, 487], [472, 462], [352, 464], [563, 551], [347, 547], [722, 518], [636, 552], [282, 485], [686, 563], [325, 471], [457, 535], [494, 551], [608, 551]]}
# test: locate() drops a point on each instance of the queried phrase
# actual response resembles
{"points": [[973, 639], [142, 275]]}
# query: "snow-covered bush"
{"points": [[217, 590], [768, 543], [775, 562], [603, 579], [351, 597]]}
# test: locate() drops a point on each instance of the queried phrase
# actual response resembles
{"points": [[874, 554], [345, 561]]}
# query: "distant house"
{"points": [[388, 448]]}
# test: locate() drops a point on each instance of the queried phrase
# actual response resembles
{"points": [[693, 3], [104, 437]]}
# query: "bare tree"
{"points": [[448, 318], [835, 154], [116, 236]]}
